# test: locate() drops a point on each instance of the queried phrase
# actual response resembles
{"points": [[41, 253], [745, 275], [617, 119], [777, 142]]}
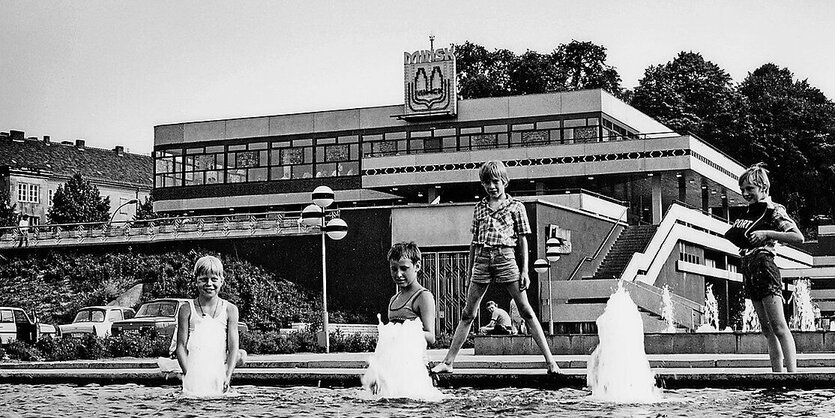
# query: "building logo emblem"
{"points": [[430, 83]]}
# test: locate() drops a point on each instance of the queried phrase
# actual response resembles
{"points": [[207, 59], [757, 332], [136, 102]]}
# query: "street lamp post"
{"points": [[336, 229], [129, 202], [541, 266], [552, 254]]}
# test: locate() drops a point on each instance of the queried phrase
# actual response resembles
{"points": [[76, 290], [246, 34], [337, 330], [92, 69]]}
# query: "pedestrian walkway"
{"points": [[345, 369]]}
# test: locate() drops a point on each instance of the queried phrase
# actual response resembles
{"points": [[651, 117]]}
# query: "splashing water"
{"points": [[667, 310], [397, 369], [750, 321], [618, 369], [710, 320], [805, 310]]}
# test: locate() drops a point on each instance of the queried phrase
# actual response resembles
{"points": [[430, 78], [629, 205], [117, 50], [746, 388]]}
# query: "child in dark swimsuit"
{"points": [[412, 300], [398, 367]]}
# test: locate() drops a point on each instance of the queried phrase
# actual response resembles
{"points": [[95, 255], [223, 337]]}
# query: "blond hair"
{"points": [[757, 175], [208, 265], [493, 169]]}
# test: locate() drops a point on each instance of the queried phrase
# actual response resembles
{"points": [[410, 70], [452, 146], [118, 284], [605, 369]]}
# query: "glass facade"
{"points": [[340, 155]]}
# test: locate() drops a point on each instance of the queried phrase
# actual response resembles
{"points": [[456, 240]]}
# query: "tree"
{"points": [[533, 73], [145, 210], [482, 73], [792, 132], [692, 95], [78, 201], [8, 215], [582, 65], [573, 66]]}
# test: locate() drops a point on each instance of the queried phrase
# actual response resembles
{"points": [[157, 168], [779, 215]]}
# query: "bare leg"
{"points": [[781, 337], [527, 313], [775, 353], [474, 295]]}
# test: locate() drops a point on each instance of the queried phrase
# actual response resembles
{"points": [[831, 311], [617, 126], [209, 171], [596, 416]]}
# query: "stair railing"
{"points": [[599, 250]]}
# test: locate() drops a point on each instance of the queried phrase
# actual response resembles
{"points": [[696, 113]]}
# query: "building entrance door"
{"points": [[445, 275]]}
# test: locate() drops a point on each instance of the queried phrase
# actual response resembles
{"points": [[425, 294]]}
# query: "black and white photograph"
{"points": [[417, 209]]}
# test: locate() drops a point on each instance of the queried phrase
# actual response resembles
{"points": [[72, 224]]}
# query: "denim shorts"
{"points": [[760, 276], [495, 265]]}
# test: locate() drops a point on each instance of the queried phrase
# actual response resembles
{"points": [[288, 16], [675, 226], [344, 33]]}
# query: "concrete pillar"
{"points": [[682, 189], [656, 199], [705, 199], [540, 188]]}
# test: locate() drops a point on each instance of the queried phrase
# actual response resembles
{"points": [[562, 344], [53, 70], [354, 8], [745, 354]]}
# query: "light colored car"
{"points": [[16, 324], [96, 320], [158, 314]]}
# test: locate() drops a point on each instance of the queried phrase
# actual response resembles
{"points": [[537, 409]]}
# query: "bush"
{"points": [[59, 349], [21, 351], [444, 340], [133, 344], [352, 343], [57, 284]]}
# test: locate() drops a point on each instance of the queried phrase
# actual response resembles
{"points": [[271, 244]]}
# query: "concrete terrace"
{"points": [[816, 370]]}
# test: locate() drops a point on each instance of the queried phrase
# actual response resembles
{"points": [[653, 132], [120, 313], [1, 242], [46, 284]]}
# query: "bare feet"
{"points": [[442, 368], [554, 369]]}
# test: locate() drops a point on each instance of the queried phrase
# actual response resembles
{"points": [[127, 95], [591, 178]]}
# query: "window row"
{"points": [[28, 193]]}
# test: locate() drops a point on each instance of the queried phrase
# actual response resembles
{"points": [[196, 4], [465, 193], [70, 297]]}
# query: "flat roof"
{"points": [[491, 108]]}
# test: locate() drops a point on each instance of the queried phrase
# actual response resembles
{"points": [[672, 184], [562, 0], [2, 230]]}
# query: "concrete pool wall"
{"points": [[660, 343]]}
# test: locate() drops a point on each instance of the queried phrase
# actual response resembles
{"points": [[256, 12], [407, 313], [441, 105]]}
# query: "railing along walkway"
{"points": [[155, 230]]}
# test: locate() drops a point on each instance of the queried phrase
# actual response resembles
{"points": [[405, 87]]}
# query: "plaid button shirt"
{"points": [[501, 226]]}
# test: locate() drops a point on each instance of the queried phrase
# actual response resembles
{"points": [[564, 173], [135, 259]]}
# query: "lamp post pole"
{"points": [[541, 266], [129, 202], [552, 254], [336, 229]]}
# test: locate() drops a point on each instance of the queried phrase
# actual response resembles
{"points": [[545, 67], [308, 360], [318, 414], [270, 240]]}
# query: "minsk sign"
{"points": [[429, 83]]}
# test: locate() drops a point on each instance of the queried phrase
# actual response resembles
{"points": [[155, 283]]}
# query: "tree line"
{"points": [[770, 116]]}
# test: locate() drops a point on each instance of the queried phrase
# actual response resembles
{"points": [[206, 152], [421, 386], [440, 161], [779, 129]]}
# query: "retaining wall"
{"points": [[678, 343]]}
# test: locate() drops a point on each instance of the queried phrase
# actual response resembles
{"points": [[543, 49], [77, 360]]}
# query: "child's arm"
{"points": [[183, 318], [792, 236], [522, 250], [426, 307], [232, 342]]}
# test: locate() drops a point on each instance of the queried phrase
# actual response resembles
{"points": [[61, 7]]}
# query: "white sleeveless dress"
{"points": [[206, 353]]}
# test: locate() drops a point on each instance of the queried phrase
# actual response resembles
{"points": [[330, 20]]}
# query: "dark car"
{"points": [[158, 314], [16, 324]]}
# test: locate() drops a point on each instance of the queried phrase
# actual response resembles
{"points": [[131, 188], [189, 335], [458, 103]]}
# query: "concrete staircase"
{"points": [[583, 301], [631, 240]]}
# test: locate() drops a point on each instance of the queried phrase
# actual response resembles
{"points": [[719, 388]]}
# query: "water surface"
{"points": [[130, 400]]}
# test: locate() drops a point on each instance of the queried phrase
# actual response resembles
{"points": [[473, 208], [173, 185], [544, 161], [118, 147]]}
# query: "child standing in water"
{"points": [[207, 334], [412, 300], [397, 369], [500, 228], [756, 233]]}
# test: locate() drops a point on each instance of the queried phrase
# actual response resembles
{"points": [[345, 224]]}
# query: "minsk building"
{"points": [[635, 200]]}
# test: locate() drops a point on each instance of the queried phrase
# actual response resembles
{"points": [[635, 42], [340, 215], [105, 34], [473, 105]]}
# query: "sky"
{"points": [[108, 71]]}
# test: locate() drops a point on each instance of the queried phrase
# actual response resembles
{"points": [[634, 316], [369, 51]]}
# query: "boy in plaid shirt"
{"points": [[500, 228]]}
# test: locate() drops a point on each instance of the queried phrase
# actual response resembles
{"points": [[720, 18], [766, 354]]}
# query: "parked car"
{"points": [[16, 324], [158, 314], [96, 320]]}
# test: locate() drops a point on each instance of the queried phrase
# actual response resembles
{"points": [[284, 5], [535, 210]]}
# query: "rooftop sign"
{"points": [[429, 83]]}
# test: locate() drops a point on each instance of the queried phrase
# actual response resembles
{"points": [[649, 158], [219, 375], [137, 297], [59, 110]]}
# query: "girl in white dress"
{"points": [[207, 335]]}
